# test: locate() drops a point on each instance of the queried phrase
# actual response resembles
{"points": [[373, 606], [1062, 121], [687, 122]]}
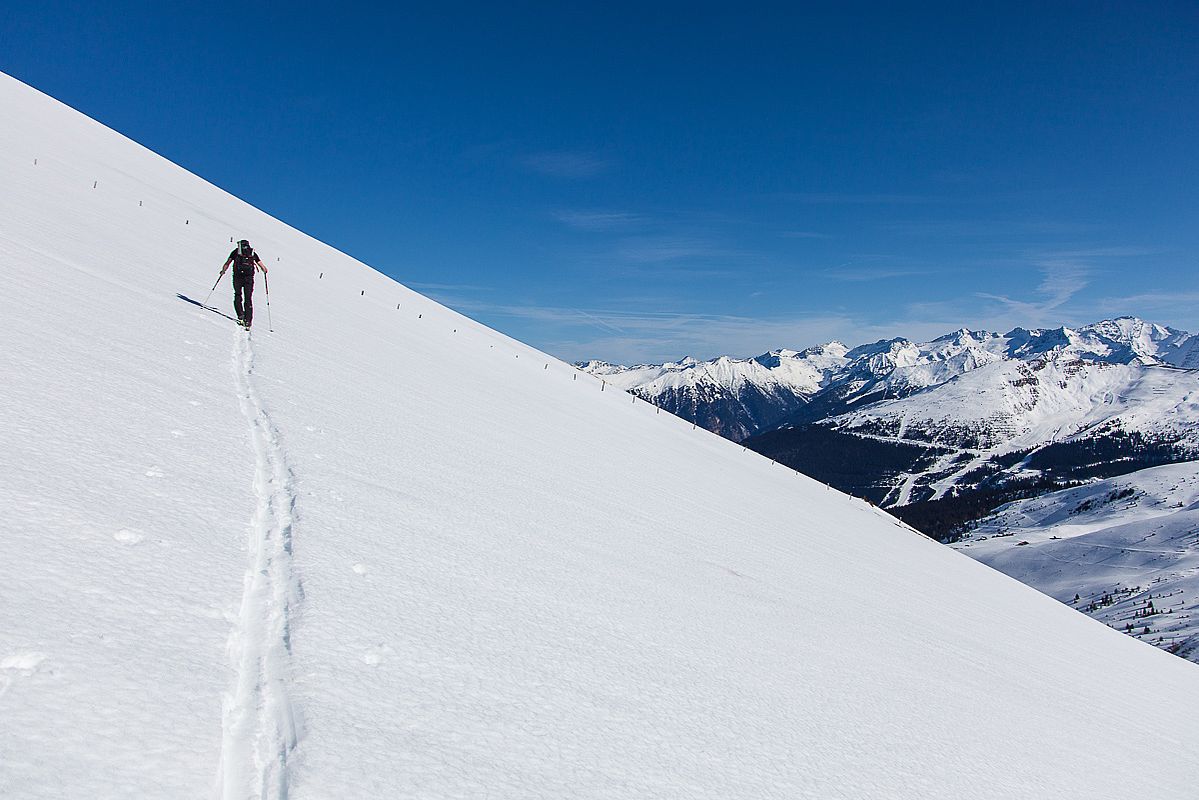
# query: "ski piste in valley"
{"points": [[330, 561]]}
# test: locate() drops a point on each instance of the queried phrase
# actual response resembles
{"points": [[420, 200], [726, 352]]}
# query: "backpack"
{"points": [[243, 264]]}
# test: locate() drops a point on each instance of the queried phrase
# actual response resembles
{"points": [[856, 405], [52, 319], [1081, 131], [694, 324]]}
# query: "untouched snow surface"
{"points": [[329, 562]]}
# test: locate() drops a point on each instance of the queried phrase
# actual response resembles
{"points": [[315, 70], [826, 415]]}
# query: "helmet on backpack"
{"points": [[243, 247]]}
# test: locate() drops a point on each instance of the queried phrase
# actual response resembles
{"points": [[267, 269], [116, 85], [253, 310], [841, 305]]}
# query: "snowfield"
{"points": [[330, 562], [1127, 548]]}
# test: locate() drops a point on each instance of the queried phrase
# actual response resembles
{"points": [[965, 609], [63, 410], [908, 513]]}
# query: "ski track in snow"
{"points": [[260, 727]]}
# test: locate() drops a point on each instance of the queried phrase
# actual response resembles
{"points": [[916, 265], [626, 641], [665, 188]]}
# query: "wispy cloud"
{"points": [[636, 336], [1176, 309], [1150, 300], [804, 235], [984, 228], [649, 336], [872, 198], [852, 274], [1060, 282], [451, 287], [657, 249], [1079, 254], [598, 220], [1064, 273], [566, 164]]}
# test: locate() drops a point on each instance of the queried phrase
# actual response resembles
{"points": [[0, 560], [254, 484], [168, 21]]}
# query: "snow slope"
{"points": [[1118, 545], [329, 562]]}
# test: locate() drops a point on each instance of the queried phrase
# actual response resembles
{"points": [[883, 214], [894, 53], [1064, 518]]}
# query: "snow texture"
{"points": [[514, 583]]}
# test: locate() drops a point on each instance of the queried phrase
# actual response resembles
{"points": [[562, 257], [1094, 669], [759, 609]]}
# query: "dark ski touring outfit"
{"points": [[244, 261]]}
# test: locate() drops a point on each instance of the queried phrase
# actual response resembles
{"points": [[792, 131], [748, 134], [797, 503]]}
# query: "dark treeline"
{"points": [[865, 467], [854, 464]]}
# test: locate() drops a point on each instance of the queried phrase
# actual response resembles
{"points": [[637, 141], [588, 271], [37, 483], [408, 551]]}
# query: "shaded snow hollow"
{"points": [[387, 552]]}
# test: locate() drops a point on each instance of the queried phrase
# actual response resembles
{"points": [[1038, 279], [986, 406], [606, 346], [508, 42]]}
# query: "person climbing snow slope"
{"points": [[245, 261]]}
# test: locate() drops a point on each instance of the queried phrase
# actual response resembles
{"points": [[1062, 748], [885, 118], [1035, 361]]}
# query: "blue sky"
{"points": [[637, 182]]}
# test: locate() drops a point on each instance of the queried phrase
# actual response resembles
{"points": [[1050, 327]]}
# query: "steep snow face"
{"points": [[329, 562], [1123, 550]]}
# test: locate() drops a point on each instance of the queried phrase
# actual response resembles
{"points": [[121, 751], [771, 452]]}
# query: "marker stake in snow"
{"points": [[267, 285]]}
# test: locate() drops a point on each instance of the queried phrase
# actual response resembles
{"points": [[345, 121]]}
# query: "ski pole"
{"points": [[267, 285], [213, 289]]}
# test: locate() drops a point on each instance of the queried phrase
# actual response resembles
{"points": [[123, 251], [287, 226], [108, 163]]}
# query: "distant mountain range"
{"points": [[944, 431], [741, 397]]}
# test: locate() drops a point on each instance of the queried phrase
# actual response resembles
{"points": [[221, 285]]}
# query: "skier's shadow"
{"points": [[187, 299]]}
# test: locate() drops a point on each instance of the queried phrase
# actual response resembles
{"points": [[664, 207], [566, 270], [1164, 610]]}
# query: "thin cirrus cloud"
{"points": [[805, 235], [1060, 282], [628, 336], [1064, 273], [566, 164], [598, 221], [451, 287], [1154, 301], [984, 228], [659, 249], [849, 274], [868, 198]]}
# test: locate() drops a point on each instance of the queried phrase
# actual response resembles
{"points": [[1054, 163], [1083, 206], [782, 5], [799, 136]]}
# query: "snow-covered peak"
{"points": [[1023, 343], [826, 379], [1122, 340], [599, 367], [1145, 340], [833, 349], [883, 347]]}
